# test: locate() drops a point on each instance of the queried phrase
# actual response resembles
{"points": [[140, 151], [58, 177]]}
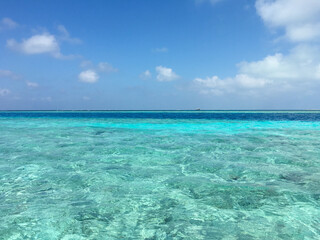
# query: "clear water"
{"points": [[160, 175]]}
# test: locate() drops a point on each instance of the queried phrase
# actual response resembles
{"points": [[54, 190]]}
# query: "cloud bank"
{"points": [[298, 70], [299, 19]]}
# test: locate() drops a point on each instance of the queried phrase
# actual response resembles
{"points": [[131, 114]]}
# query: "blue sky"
{"points": [[168, 54]]}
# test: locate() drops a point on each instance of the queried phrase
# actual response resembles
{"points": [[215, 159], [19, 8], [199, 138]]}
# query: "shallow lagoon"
{"points": [[160, 175]]}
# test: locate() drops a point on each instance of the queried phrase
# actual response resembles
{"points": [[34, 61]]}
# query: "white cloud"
{"points": [[106, 67], [32, 84], [91, 75], [37, 44], [278, 72], [213, 85], [247, 81], [65, 35], [8, 74], [88, 76], [7, 23], [165, 74], [146, 75], [299, 18], [302, 63], [4, 92], [44, 43], [218, 86], [299, 70]]}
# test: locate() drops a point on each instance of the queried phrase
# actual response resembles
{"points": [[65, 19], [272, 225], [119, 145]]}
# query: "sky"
{"points": [[159, 54]]}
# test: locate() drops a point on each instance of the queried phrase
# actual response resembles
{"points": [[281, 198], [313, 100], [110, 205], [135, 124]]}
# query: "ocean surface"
{"points": [[160, 175]]}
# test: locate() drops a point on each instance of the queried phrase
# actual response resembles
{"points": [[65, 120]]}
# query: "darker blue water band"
{"points": [[246, 116]]}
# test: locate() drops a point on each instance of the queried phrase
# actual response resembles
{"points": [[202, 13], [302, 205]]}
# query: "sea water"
{"points": [[160, 175]]}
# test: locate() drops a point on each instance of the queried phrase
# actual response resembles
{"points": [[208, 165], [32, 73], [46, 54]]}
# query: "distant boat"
{"points": [[198, 109]]}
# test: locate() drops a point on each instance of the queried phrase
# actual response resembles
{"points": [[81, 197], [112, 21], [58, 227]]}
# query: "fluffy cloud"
{"points": [[91, 75], [276, 72], [165, 74], [88, 76], [37, 44], [7, 23], [44, 43], [218, 86], [302, 63], [8, 74], [299, 70], [299, 19], [106, 67], [4, 92]]}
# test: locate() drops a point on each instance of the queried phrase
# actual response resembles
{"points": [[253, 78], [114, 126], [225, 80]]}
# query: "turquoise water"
{"points": [[151, 176]]}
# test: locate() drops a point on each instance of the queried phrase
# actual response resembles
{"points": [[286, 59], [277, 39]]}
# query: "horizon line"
{"points": [[153, 110]]}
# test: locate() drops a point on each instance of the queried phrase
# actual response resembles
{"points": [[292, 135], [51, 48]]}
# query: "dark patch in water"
{"points": [[99, 132], [225, 115], [296, 178], [222, 196]]}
